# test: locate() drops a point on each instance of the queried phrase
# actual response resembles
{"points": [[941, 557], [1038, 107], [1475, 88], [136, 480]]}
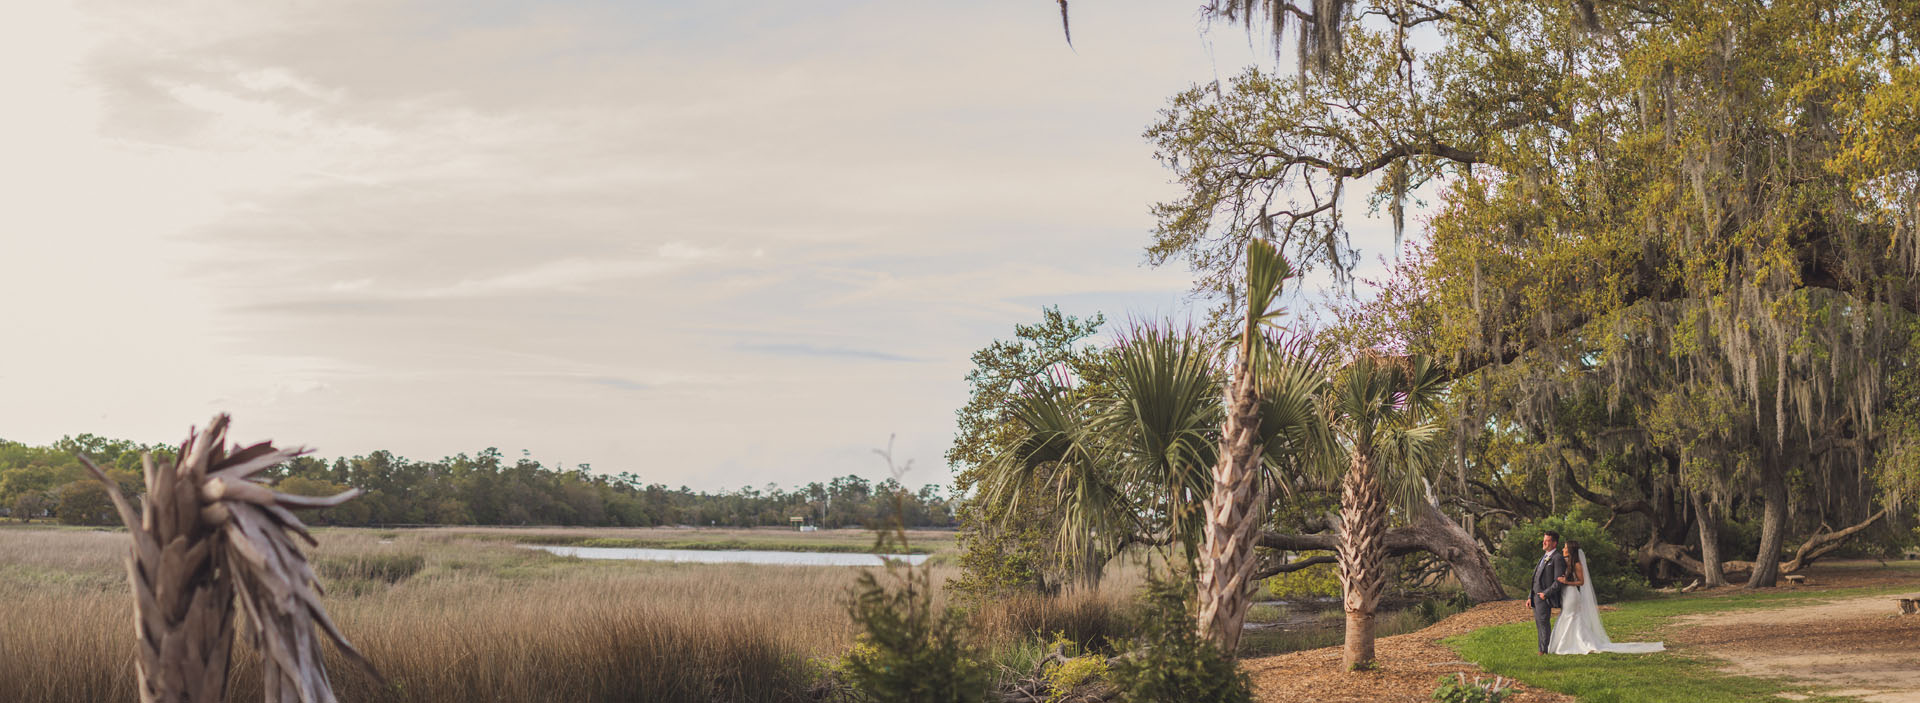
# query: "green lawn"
{"points": [[1677, 676]]}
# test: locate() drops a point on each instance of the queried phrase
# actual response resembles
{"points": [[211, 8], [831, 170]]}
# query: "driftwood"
{"points": [[207, 535], [1819, 544]]}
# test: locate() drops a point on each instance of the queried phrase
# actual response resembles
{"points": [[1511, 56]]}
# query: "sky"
{"points": [[716, 244]]}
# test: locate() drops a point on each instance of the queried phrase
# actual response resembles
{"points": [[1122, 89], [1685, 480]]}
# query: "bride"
{"points": [[1579, 630]]}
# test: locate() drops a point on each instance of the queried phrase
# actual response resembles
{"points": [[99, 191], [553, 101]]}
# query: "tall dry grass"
{"points": [[448, 619]]}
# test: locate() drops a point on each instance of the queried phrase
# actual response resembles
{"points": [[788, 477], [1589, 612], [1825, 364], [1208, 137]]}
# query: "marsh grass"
{"points": [[847, 540], [453, 618]]}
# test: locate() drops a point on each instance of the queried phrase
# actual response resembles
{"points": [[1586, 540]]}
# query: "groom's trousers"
{"points": [[1543, 620]]}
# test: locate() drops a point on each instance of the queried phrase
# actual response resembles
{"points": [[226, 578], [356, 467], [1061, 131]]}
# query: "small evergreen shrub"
{"points": [[1456, 688], [1614, 576], [907, 650], [1171, 662], [1076, 672]]}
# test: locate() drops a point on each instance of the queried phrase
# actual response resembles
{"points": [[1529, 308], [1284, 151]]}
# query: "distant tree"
{"points": [[86, 503], [29, 505]]}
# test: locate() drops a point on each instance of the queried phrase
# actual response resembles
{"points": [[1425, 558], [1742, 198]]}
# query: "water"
{"points": [[729, 556]]}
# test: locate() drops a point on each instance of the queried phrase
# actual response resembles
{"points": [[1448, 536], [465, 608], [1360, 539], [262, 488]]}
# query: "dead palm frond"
{"points": [[209, 533]]}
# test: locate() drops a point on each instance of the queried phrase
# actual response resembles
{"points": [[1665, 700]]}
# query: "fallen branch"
{"points": [[1818, 545]]}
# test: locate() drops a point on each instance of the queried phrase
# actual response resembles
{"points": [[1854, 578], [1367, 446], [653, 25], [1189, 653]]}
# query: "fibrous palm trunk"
{"points": [[207, 534], [1232, 516], [1363, 556]]}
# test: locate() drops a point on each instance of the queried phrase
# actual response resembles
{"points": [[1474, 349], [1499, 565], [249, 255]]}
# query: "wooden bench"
{"points": [[1909, 606], [1796, 579]]}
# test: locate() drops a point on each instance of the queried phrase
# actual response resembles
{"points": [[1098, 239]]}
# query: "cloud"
{"points": [[793, 223], [808, 350], [619, 383]]}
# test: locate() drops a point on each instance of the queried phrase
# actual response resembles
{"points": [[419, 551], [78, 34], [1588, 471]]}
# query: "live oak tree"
{"points": [[1745, 173]]}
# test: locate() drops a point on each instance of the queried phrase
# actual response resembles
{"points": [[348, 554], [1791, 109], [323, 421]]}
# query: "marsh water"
{"points": [[729, 556]]}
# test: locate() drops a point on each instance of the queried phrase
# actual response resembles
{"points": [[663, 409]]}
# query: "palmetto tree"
{"points": [[1052, 457], [1161, 422], [1272, 419], [1380, 408], [1125, 461]]}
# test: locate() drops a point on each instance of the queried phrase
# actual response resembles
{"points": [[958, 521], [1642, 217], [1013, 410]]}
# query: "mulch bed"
{"points": [[1410, 665]]}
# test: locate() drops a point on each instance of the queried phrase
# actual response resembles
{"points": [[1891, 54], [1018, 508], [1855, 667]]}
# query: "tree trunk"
{"points": [[1709, 542], [1773, 527], [1453, 544], [1232, 515], [1432, 532], [1363, 557]]}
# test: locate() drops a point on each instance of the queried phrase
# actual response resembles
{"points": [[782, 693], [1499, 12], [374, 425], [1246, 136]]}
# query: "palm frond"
{"points": [[1163, 418]]}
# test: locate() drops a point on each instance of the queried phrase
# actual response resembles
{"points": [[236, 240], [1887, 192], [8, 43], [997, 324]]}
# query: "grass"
{"points": [[770, 539], [451, 617], [1507, 650]]}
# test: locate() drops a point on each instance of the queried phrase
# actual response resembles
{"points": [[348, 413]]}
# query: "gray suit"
{"points": [[1545, 580]]}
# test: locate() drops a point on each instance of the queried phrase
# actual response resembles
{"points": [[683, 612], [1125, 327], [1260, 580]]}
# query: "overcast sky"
{"points": [[713, 243]]}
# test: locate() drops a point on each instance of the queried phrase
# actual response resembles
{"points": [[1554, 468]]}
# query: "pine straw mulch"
{"points": [[1410, 665]]}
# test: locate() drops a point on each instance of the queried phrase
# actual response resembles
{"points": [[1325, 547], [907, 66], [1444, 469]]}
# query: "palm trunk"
{"points": [[1363, 557], [1232, 519]]}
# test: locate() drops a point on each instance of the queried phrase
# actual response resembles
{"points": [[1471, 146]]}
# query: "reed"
{"points": [[481, 619]]}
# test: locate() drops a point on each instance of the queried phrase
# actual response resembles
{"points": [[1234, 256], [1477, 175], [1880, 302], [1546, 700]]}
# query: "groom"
{"points": [[1545, 594]]}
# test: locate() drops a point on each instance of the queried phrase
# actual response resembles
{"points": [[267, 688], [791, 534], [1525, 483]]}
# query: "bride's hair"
{"points": [[1573, 549]]}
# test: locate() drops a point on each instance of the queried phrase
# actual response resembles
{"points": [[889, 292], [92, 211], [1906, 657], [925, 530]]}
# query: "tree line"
{"points": [[478, 489]]}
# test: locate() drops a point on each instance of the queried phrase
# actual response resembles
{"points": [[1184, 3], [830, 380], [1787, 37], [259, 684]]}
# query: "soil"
{"points": [[1859, 646], [1410, 665]]}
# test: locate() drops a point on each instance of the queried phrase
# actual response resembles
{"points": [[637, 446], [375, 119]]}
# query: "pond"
{"points": [[729, 556]]}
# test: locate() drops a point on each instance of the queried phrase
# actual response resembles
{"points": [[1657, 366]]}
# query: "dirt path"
{"points": [[1411, 666], [1860, 646]]}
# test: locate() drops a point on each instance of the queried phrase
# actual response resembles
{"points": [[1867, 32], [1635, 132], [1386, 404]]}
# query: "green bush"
{"points": [[1171, 662], [1614, 577], [1318, 580], [1455, 688], [907, 650]]}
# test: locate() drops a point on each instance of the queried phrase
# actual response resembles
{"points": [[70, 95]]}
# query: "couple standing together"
{"points": [[1562, 580]]}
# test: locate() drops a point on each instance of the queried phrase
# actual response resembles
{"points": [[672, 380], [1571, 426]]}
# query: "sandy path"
{"points": [[1860, 646]]}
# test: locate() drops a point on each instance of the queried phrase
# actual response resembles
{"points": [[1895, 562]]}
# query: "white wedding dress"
{"points": [[1579, 630]]}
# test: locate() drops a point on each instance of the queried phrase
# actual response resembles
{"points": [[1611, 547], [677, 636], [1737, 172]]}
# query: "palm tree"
{"points": [[1052, 453], [1160, 421], [1123, 461], [1380, 407], [1271, 420]]}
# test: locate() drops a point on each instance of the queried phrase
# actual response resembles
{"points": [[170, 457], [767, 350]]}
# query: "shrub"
{"points": [[1076, 672], [1613, 579], [1455, 688], [1171, 661], [1319, 580], [907, 649]]}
